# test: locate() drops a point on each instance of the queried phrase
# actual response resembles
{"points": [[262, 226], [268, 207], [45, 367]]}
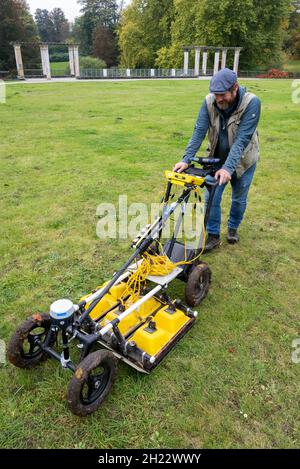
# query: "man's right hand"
{"points": [[179, 167]]}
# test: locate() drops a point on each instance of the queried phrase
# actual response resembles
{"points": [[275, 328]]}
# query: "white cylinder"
{"points": [[236, 60], [45, 60], [197, 62], [71, 60], [19, 62], [217, 61], [76, 62], [61, 309], [186, 62], [224, 57], [204, 62]]}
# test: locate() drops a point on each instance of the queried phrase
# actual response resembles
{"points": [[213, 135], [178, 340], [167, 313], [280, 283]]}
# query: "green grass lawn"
{"points": [[64, 149], [59, 68]]}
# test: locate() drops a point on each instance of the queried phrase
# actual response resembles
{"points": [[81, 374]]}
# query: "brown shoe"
{"points": [[232, 236], [212, 242]]}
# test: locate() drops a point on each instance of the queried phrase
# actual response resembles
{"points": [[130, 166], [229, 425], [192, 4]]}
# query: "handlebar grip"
{"points": [[210, 160], [206, 161], [211, 183]]}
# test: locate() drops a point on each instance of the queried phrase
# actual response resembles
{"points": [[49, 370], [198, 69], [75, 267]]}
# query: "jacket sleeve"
{"points": [[247, 127], [200, 130]]}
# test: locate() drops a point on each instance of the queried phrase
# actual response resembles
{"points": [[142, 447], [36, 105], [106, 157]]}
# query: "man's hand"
{"points": [[223, 176], [179, 167]]}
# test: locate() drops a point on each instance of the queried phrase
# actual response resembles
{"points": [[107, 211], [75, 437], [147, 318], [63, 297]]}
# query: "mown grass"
{"points": [[60, 68], [65, 148]]}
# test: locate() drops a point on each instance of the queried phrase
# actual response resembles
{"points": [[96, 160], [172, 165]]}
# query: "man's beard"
{"points": [[224, 106]]}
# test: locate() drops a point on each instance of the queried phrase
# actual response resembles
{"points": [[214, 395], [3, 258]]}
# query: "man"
{"points": [[230, 115]]}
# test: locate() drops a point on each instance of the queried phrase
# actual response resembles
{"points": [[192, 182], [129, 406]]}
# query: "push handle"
{"points": [[206, 161], [210, 181]]}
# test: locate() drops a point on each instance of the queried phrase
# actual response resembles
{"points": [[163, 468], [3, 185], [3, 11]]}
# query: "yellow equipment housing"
{"points": [[152, 327], [183, 179]]}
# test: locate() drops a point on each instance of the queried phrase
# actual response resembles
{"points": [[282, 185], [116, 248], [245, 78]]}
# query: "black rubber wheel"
{"points": [[22, 351], [91, 382], [198, 284]]}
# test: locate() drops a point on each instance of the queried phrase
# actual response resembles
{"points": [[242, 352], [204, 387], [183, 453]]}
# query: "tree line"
{"points": [[152, 33], [95, 30]]}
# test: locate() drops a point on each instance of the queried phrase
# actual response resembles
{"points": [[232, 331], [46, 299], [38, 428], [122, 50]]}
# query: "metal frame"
{"points": [[88, 332]]}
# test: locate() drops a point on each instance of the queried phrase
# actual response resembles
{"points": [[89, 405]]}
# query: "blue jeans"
{"points": [[240, 188]]}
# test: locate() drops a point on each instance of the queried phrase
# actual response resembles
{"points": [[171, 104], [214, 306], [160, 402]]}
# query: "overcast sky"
{"points": [[69, 7]]}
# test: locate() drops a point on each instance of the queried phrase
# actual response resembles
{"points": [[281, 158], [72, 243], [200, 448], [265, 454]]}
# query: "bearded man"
{"points": [[230, 116]]}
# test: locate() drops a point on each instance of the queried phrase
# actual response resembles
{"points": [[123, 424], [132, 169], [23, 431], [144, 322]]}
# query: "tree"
{"points": [[60, 25], [183, 32], [131, 39], [17, 25], [145, 28], [266, 30], [292, 33], [254, 25], [105, 12], [104, 45], [52, 26], [95, 13], [45, 25]]}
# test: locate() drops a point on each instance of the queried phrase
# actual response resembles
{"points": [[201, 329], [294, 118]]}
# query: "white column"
{"points": [[224, 58], [71, 60], [186, 62], [217, 61], [76, 62], [105, 73], [236, 60], [173, 72], [19, 62], [204, 62], [45, 60], [152, 72], [128, 72], [197, 62]]}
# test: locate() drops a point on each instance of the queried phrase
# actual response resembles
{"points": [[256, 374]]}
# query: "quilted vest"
{"points": [[251, 152]]}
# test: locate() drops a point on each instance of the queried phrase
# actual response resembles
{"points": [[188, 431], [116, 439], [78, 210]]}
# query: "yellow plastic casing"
{"points": [[167, 324], [109, 300], [183, 179], [134, 318]]}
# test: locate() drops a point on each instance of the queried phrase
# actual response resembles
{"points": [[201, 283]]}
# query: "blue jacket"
{"points": [[230, 156]]}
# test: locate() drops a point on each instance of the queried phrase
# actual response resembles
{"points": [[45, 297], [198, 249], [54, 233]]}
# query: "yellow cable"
{"points": [[156, 265]]}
